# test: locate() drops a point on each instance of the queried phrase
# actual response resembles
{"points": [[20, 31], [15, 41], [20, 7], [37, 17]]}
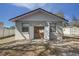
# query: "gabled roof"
{"points": [[39, 9]]}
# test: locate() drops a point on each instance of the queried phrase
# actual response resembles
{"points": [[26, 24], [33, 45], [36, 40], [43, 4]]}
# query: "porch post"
{"points": [[31, 31], [46, 32]]}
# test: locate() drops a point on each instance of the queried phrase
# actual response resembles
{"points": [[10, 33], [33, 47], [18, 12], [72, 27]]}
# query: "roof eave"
{"points": [[14, 19]]}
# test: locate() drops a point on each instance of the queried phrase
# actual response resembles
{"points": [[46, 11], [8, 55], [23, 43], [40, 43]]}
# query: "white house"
{"points": [[38, 24]]}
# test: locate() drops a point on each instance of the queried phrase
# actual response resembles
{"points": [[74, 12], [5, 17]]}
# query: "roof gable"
{"points": [[34, 11]]}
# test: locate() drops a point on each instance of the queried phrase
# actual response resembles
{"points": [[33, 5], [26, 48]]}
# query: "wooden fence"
{"points": [[4, 32], [73, 31]]}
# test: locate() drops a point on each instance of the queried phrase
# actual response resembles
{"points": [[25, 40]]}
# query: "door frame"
{"points": [[34, 31]]}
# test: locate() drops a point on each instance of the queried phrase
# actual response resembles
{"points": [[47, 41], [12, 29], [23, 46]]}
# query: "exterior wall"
{"points": [[46, 32], [57, 33], [31, 33], [19, 35], [23, 35], [18, 32]]}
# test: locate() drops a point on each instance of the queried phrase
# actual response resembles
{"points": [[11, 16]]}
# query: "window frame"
{"points": [[27, 26], [54, 26]]}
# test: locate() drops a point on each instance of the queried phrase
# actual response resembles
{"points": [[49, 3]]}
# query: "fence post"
{"points": [[3, 32], [9, 32]]}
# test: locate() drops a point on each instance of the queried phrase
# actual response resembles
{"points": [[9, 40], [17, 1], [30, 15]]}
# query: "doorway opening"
{"points": [[38, 32]]}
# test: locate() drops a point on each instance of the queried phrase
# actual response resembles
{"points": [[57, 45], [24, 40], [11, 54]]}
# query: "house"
{"points": [[38, 25], [1, 24]]}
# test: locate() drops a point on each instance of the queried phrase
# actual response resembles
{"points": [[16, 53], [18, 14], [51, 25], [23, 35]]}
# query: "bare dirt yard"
{"points": [[11, 47]]}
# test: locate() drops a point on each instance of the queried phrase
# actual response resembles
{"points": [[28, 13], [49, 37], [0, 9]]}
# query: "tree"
{"points": [[74, 22], [12, 27], [61, 14]]}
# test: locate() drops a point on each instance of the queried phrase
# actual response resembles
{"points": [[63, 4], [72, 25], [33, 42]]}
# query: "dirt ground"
{"points": [[11, 47]]}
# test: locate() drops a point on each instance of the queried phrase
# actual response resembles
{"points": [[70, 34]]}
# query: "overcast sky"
{"points": [[8, 11]]}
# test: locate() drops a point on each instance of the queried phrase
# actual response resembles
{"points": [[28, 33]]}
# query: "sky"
{"points": [[10, 10]]}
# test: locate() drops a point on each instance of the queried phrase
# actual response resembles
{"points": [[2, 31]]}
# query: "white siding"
{"points": [[31, 32], [18, 31], [46, 33], [40, 17]]}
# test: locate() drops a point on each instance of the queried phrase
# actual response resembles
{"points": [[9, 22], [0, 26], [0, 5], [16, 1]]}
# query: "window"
{"points": [[53, 27], [25, 28]]}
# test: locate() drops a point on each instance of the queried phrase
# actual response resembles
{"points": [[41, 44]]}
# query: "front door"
{"points": [[38, 32]]}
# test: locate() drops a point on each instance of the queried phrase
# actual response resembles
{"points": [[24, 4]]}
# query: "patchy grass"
{"points": [[5, 40], [69, 47], [6, 37]]}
